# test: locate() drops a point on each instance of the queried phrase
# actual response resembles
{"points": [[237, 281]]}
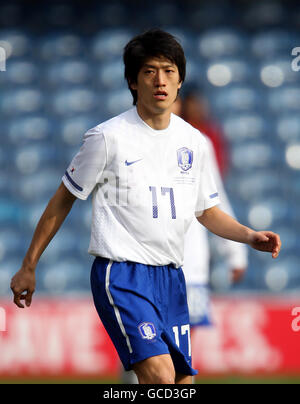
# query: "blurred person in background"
{"points": [[194, 108], [198, 249]]}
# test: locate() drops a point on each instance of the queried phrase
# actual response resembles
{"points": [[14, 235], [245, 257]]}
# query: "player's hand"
{"points": [[266, 241], [23, 281], [237, 274]]}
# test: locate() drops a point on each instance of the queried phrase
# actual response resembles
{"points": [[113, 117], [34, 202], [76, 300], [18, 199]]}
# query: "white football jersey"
{"points": [[147, 186]]}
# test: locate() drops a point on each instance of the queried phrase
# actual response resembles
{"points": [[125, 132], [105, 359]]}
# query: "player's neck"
{"points": [[157, 121]]}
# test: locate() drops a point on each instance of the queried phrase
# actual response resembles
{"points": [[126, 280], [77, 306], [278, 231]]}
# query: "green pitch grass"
{"points": [[239, 379], [229, 379]]}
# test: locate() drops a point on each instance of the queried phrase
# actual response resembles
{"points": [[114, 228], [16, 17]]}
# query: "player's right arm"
{"points": [[23, 282]]}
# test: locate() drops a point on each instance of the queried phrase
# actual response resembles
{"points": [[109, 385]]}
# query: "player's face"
{"points": [[157, 86]]}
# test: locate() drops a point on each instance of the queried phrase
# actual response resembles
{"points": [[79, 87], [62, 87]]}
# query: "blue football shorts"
{"points": [[144, 310]]}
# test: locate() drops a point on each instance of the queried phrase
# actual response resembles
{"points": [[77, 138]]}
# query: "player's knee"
{"points": [[165, 379], [155, 370], [163, 375], [158, 378]]}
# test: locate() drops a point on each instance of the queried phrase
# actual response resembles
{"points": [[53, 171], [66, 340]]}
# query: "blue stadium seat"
{"points": [[272, 43], [64, 243], [29, 129], [295, 188], [269, 211], [252, 155], [19, 72], [284, 99], [67, 103], [216, 43], [283, 275], [38, 185], [73, 129], [80, 219], [8, 268], [55, 278], [34, 157], [5, 182], [288, 127], [118, 101], [21, 101], [241, 70], [11, 242], [236, 99], [22, 72], [68, 274], [109, 44], [277, 72], [244, 126], [59, 46], [110, 75], [11, 212], [33, 210], [4, 159], [254, 185], [17, 43], [195, 73], [67, 73]]}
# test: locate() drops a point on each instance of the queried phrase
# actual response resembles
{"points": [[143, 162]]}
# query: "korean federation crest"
{"points": [[147, 330], [185, 158]]}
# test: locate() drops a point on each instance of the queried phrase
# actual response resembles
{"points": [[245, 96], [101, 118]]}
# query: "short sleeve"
{"points": [[87, 166], [208, 195]]}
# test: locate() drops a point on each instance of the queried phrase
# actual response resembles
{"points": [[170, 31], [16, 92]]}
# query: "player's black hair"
{"points": [[152, 43]]}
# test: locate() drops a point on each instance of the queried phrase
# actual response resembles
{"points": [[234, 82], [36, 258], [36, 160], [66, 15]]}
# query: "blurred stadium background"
{"points": [[63, 74]]}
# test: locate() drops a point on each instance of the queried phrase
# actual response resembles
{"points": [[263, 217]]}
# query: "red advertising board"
{"points": [[250, 336], [55, 337], [66, 337]]}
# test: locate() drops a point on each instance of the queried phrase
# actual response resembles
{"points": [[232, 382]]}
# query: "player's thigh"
{"points": [[155, 370]]}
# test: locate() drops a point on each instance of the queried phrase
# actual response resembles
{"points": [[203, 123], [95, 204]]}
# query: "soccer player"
{"points": [[149, 175]]}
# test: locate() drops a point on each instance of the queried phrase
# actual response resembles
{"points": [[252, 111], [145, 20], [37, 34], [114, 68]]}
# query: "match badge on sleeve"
{"points": [[147, 330], [185, 158]]}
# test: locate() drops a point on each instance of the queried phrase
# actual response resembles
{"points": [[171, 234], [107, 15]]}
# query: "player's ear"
{"points": [[133, 86], [179, 85]]}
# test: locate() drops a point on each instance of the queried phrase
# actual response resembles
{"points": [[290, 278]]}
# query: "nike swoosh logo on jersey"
{"points": [[128, 163]]}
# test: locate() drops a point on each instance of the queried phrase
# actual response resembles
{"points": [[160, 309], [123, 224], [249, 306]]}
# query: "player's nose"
{"points": [[160, 79]]}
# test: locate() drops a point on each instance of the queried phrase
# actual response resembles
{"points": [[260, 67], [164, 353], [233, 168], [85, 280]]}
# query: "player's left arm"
{"points": [[218, 222]]}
